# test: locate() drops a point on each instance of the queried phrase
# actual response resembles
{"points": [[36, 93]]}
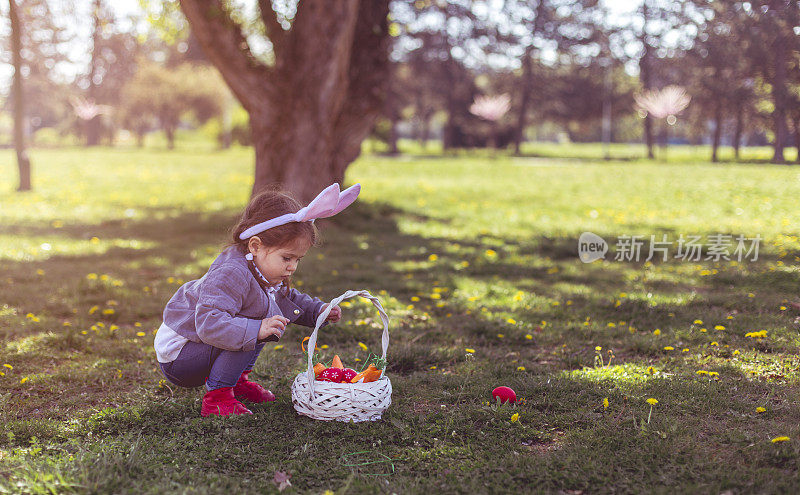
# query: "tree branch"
{"points": [[225, 45], [275, 33]]}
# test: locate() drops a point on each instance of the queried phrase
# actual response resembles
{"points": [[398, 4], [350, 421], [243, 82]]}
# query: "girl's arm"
{"points": [[311, 307], [221, 297]]}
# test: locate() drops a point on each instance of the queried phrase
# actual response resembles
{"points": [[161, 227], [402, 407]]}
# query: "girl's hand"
{"points": [[274, 326], [335, 314]]}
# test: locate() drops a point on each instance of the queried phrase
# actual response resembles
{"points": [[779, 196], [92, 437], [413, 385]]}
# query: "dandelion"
{"points": [[93, 310], [8, 366], [528, 336], [652, 403], [605, 403], [363, 346], [433, 257], [415, 298], [719, 327], [715, 343], [669, 348], [783, 308], [515, 418], [24, 379], [471, 351], [520, 368], [760, 410], [702, 372], [490, 253], [278, 347], [500, 335], [598, 348], [140, 334], [324, 346], [704, 330], [698, 322], [657, 332], [432, 368], [108, 311], [736, 352], [511, 321], [780, 439], [91, 276], [713, 374]]}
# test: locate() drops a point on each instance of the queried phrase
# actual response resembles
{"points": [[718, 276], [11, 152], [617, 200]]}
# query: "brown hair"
{"points": [[270, 203]]}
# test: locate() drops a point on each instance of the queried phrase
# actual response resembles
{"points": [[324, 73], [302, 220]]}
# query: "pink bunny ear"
{"points": [[323, 204], [346, 198]]}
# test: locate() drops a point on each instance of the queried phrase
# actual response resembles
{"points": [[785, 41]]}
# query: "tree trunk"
{"points": [[169, 131], [797, 138], [737, 134], [311, 110], [779, 99], [646, 79], [717, 131], [393, 137], [18, 96], [526, 85], [93, 124]]}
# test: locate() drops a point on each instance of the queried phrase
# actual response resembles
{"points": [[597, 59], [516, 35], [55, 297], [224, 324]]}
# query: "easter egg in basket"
{"points": [[331, 375]]}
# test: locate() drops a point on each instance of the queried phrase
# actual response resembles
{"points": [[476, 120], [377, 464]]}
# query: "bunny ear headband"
{"points": [[327, 204]]}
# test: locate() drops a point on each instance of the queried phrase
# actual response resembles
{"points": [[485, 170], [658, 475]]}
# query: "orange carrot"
{"points": [[318, 368], [337, 363], [368, 375]]}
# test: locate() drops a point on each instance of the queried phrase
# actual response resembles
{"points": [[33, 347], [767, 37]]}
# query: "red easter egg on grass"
{"points": [[505, 394], [331, 375], [348, 374]]}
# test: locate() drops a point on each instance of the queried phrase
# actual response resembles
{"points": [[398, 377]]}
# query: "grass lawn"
{"points": [[475, 259]]}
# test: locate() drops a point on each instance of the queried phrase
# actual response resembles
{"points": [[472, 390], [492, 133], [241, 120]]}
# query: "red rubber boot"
{"points": [[221, 402], [252, 391]]}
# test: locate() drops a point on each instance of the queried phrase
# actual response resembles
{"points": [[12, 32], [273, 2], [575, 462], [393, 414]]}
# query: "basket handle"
{"points": [[312, 341]]}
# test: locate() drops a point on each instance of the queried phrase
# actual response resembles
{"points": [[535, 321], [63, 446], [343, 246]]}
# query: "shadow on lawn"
{"points": [[362, 248]]}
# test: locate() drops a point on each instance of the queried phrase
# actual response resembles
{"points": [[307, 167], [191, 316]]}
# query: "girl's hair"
{"points": [[270, 203]]}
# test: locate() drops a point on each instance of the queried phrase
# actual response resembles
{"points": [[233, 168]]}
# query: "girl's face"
{"points": [[277, 263]]}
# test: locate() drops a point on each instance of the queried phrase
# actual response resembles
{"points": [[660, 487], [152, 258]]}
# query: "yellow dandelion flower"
{"points": [[528, 336], [8, 366], [511, 321], [24, 379], [783, 308], [471, 351], [363, 346], [108, 311], [657, 332], [702, 372], [612, 325], [698, 322], [719, 327], [669, 348], [780, 439], [433, 257], [432, 368], [435, 296], [736, 352], [500, 335], [704, 330], [91, 276], [93, 310], [598, 348], [104, 277], [324, 346], [140, 334], [713, 373], [760, 410], [515, 418], [490, 253], [605, 403], [278, 347], [520, 368], [652, 401]]}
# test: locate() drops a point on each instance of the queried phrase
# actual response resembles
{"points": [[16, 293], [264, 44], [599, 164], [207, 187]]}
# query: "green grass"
{"points": [[470, 251]]}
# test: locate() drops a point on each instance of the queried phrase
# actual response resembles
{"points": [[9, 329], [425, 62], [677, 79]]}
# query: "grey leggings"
{"points": [[200, 363]]}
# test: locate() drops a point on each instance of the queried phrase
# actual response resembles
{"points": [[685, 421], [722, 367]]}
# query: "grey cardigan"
{"points": [[224, 308]]}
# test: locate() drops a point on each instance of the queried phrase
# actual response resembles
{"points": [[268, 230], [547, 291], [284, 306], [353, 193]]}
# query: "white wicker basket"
{"points": [[342, 401]]}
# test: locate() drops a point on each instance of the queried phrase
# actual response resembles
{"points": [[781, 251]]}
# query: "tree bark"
{"points": [[646, 79], [311, 110], [779, 99], [526, 85], [93, 124], [18, 96], [737, 133], [717, 131]]}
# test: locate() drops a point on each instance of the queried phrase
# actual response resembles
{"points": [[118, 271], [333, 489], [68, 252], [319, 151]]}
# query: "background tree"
{"points": [[315, 98], [157, 94], [18, 91]]}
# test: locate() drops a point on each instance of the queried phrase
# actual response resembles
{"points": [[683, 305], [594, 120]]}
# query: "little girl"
{"points": [[215, 327]]}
